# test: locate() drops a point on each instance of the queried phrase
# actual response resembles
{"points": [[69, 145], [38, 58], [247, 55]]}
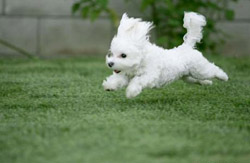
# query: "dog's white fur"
{"points": [[147, 65]]}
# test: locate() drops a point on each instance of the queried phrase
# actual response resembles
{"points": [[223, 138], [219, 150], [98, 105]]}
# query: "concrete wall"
{"points": [[47, 28]]}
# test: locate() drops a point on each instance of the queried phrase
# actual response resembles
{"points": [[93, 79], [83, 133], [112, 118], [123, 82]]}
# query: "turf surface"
{"points": [[56, 111]]}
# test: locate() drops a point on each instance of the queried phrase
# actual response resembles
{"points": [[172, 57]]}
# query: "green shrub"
{"points": [[167, 15]]}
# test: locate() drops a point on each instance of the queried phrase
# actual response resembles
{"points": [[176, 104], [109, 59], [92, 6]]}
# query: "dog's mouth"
{"points": [[117, 71]]}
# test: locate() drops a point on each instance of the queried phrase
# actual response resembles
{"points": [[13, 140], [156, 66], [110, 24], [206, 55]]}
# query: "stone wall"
{"points": [[47, 28]]}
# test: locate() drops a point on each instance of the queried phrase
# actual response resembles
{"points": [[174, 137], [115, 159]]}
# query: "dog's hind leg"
{"points": [[190, 79], [206, 70]]}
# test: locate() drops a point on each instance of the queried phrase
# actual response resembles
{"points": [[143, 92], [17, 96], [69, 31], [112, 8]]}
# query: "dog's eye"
{"points": [[109, 54], [123, 55]]}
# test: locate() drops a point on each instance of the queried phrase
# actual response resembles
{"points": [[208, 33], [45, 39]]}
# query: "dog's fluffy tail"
{"points": [[194, 23]]}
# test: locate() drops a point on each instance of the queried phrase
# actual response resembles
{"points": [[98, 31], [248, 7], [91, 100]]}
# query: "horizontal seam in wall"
{"points": [[238, 20], [47, 16]]}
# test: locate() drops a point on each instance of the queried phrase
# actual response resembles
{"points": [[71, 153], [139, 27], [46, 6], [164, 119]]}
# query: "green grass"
{"points": [[56, 111]]}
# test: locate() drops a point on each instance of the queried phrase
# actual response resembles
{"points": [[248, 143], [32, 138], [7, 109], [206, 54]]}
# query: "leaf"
{"points": [[94, 14], [229, 14], [102, 3], [170, 5], [113, 16], [75, 7], [174, 23], [145, 4], [85, 11]]}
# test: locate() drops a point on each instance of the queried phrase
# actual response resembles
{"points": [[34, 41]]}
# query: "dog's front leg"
{"points": [[138, 83], [115, 81]]}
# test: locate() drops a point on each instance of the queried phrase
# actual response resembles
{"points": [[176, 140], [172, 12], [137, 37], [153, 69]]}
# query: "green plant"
{"points": [[167, 15]]}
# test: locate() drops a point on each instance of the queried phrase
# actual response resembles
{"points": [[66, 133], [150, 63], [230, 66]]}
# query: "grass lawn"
{"points": [[57, 111]]}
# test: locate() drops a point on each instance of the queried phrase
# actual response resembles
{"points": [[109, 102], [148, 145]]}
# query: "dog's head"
{"points": [[126, 50]]}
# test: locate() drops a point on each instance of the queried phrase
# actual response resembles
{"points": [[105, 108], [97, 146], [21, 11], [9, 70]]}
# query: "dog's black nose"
{"points": [[111, 64]]}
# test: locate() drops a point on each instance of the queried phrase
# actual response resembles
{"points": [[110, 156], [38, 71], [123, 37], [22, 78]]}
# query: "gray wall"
{"points": [[47, 28]]}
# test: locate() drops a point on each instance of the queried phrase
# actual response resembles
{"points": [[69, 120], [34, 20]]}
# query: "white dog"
{"points": [[139, 64]]}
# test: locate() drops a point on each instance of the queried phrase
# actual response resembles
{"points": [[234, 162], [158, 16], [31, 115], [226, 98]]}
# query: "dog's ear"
{"points": [[124, 16], [126, 25], [133, 27]]}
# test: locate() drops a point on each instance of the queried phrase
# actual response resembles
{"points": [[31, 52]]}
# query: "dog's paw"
{"points": [[206, 82], [133, 91], [108, 86]]}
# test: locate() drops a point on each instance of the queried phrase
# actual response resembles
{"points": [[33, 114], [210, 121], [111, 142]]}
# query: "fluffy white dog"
{"points": [[139, 64]]}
